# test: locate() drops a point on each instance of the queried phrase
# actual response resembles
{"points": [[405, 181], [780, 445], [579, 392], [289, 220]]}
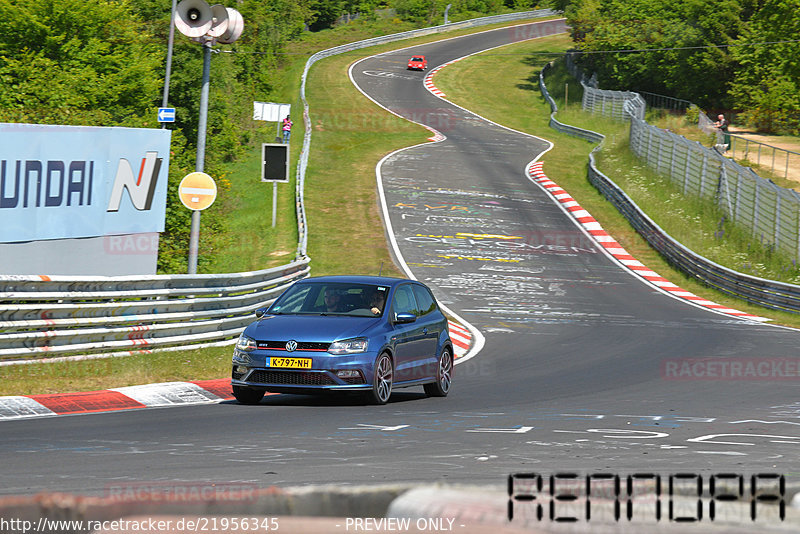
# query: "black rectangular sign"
{"points": [[274, 162]]}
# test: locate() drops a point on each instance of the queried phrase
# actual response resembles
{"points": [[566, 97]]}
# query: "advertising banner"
{"points": [[61, 182]]}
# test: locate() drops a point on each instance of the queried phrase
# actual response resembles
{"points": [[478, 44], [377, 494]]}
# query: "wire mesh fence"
{"points": [[769, 212], [669, 103], [711, 178]]}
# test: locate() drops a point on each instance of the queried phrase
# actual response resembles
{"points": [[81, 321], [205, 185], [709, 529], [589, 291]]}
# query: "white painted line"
{"points": [[724, 453], [382, 428], [520, 430]]}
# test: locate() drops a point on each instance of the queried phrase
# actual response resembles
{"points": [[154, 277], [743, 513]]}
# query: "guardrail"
{"points": [[57, 317], [588, 135], [767, 293], [45, 317]]}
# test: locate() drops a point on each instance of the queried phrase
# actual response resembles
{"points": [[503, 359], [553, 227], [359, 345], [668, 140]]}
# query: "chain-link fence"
{"points": [[675, 105], [615, 104], [618, 105], [771, 213]]}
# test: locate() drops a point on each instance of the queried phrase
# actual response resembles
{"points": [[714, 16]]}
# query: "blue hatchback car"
{"points": [[345, 333]]}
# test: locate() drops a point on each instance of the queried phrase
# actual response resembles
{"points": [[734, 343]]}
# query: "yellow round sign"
{"points": [[197, 191]]}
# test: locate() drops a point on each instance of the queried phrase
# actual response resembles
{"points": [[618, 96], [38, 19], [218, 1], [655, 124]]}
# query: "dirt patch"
{"points": [[772, 140], [771, 157]]}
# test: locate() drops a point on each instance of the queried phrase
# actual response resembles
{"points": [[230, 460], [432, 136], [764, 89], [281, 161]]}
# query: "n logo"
{"points": [[141, 189]]}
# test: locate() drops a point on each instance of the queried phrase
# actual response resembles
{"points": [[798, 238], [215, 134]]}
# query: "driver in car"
{"points": [[333, 301]]}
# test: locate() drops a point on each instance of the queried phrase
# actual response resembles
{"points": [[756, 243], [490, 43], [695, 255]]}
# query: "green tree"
{"points": [[325, 13], [84, 62], [767, 83], [678, 48]]}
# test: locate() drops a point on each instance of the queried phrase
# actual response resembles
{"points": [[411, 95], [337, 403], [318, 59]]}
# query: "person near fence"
{"points": [[287, 129], [722, 125]]}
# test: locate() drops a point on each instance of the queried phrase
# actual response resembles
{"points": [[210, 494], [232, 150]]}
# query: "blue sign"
{"points": [[78, 181], [166, 114]]}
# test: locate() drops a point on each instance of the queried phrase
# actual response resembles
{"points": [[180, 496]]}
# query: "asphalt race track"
{"points": [[581, 369]]}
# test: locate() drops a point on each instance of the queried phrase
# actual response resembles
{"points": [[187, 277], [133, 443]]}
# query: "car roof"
{"points": [[357, 279]]}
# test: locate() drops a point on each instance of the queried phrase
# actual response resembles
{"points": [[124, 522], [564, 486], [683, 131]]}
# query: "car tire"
{"points": [[444, 375], [382, 378], [248, 395]]}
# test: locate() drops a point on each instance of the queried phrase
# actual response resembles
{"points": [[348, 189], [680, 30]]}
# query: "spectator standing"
{"points": [[722, 125], [287, 129]]}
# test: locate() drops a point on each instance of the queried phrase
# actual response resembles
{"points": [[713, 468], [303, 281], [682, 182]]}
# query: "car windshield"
{"points": [[417, 59], [332, 298]]}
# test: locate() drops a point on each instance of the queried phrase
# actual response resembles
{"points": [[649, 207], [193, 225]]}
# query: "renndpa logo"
{"points": [[142, 188]]}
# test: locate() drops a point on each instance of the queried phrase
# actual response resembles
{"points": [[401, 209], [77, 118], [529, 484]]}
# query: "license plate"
{"points": [[290, 363]]}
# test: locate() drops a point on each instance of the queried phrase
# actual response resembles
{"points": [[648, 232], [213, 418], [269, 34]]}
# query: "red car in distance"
{"points": [[417, 63]]}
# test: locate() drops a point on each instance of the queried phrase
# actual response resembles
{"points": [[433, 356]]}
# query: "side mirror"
{"points": [[404, 318], [260, 312]]}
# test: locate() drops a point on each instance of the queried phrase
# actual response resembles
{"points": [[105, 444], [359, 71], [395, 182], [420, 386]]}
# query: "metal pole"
{"points": [[165, 100], [274, 203], [194, 235]]}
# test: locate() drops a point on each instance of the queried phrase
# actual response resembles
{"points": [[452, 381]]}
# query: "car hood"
{"points": [[312, 328]]}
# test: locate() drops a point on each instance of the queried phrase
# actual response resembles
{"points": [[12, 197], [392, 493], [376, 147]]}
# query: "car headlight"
{"points": [[246, 343], [241, 357], [348, 346]]}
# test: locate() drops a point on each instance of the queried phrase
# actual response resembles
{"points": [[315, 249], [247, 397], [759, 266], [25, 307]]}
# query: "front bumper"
{"points": [[310, 379], [322, 375]]}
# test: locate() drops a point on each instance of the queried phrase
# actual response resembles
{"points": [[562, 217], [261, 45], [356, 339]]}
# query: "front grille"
{"points": [[235, 375], [301, 345], [353, 380], [291, 378]]}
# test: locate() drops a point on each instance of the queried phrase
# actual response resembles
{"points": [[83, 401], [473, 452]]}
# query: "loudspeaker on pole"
{"points": [[235, 27], [193, 18], [219, 21]]}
